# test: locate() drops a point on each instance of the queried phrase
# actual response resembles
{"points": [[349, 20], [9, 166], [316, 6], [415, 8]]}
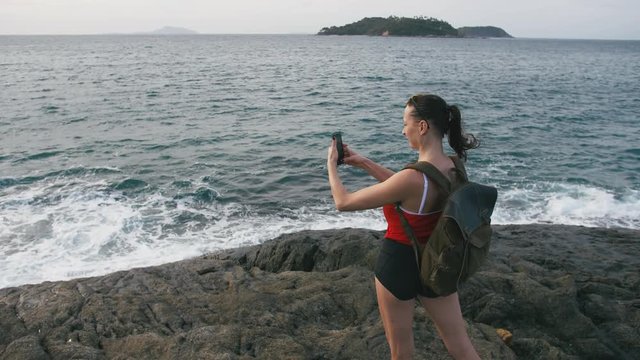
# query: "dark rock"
{"points": [[563, 292], [27, 347], [540, 349]]}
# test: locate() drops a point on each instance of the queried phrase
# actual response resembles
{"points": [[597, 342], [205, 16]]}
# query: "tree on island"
{"points": [[395, 26]]}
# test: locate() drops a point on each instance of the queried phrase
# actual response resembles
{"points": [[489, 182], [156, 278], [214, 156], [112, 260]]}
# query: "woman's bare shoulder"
{"points": [[409, 175]]}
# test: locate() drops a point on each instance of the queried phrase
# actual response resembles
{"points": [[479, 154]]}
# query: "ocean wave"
{"points": [[86, 229], [568, 204], [78, 171], [60, 230], [129, 184], [202, 195], [42, 155]]}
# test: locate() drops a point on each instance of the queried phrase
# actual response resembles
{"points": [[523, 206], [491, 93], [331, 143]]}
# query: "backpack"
{"points": [[460, 240]]}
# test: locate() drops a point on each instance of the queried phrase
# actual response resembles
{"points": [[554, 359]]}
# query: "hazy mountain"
{"points": [[172, 30]]}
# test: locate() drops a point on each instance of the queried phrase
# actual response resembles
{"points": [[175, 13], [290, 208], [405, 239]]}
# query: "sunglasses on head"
{"points": [[415, 106]]}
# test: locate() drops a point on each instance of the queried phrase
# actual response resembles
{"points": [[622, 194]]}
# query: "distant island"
{"points": [[172, 30], [416, 26]]}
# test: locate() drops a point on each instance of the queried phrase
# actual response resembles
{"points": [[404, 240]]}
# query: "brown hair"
{"points": [[446, 119]]}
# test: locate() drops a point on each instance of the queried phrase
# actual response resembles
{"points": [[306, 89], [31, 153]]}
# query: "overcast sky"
{"points": [[582, 19]]}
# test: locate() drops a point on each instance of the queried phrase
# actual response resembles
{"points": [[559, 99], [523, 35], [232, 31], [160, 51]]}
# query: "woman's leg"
{"points": [[397, 318], [447, 316]]}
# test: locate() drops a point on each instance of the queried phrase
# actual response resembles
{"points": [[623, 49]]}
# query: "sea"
{"points": [[122, 151]]}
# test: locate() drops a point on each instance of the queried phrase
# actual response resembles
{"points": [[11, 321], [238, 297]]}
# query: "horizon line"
{"points": [[150, 33]]}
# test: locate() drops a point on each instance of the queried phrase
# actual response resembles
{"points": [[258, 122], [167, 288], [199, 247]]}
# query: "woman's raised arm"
{"points": [[385, 192]]}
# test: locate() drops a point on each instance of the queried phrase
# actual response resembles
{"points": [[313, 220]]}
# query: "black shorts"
{"points": [[397, 271]]}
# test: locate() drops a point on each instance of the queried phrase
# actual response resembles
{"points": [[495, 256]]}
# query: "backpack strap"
{"points": [[459, 164], [410, 234], [432, 173], [436, 175]]}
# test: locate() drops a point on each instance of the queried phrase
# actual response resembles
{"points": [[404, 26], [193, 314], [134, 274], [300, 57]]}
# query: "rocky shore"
{"points": [[563, 293]]}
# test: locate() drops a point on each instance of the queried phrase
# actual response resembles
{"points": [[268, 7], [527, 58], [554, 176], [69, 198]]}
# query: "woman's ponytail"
{"points": [[458, 140]]}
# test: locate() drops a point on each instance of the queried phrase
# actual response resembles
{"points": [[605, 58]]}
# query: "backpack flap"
{"points": [[471, 206]]}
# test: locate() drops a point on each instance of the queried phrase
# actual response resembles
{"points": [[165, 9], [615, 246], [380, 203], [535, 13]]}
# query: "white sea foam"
{"points": [[86, 230], [568, 204], [58, 231]]}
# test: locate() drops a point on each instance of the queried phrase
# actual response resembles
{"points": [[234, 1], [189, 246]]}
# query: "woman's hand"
{"points": [[332, 154], [351, 157]]}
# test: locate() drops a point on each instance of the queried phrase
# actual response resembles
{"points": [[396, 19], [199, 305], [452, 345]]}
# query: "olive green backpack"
{"points": [[460, 241]]}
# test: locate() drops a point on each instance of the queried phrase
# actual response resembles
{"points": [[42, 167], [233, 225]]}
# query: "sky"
{"points": [[571, 19]]}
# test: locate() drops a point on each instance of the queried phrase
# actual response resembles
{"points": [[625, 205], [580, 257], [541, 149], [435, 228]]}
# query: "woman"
{"points": [[426, 120]]}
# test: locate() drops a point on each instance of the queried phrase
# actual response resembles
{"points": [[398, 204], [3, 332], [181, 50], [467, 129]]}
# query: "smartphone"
{"points": [[338, 137]]}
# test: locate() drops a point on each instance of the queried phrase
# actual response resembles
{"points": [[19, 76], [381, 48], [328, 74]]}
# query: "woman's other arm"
{"points": [[374, 169]]}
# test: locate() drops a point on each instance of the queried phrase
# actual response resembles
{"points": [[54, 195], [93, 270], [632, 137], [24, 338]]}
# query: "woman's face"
{"points": [[411, 127]]}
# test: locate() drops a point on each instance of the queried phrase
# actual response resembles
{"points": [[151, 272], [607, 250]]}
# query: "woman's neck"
{"points": [[431, 151]]}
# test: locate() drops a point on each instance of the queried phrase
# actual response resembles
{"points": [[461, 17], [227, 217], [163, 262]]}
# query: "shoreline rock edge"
{"points": [[563, 292]]}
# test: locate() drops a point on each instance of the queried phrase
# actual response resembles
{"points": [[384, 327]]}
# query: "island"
{"points": [[172, 30], [416, 26]]}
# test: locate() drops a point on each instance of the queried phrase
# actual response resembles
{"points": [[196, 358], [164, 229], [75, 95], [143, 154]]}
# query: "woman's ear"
{"points": [[424, 127]]}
